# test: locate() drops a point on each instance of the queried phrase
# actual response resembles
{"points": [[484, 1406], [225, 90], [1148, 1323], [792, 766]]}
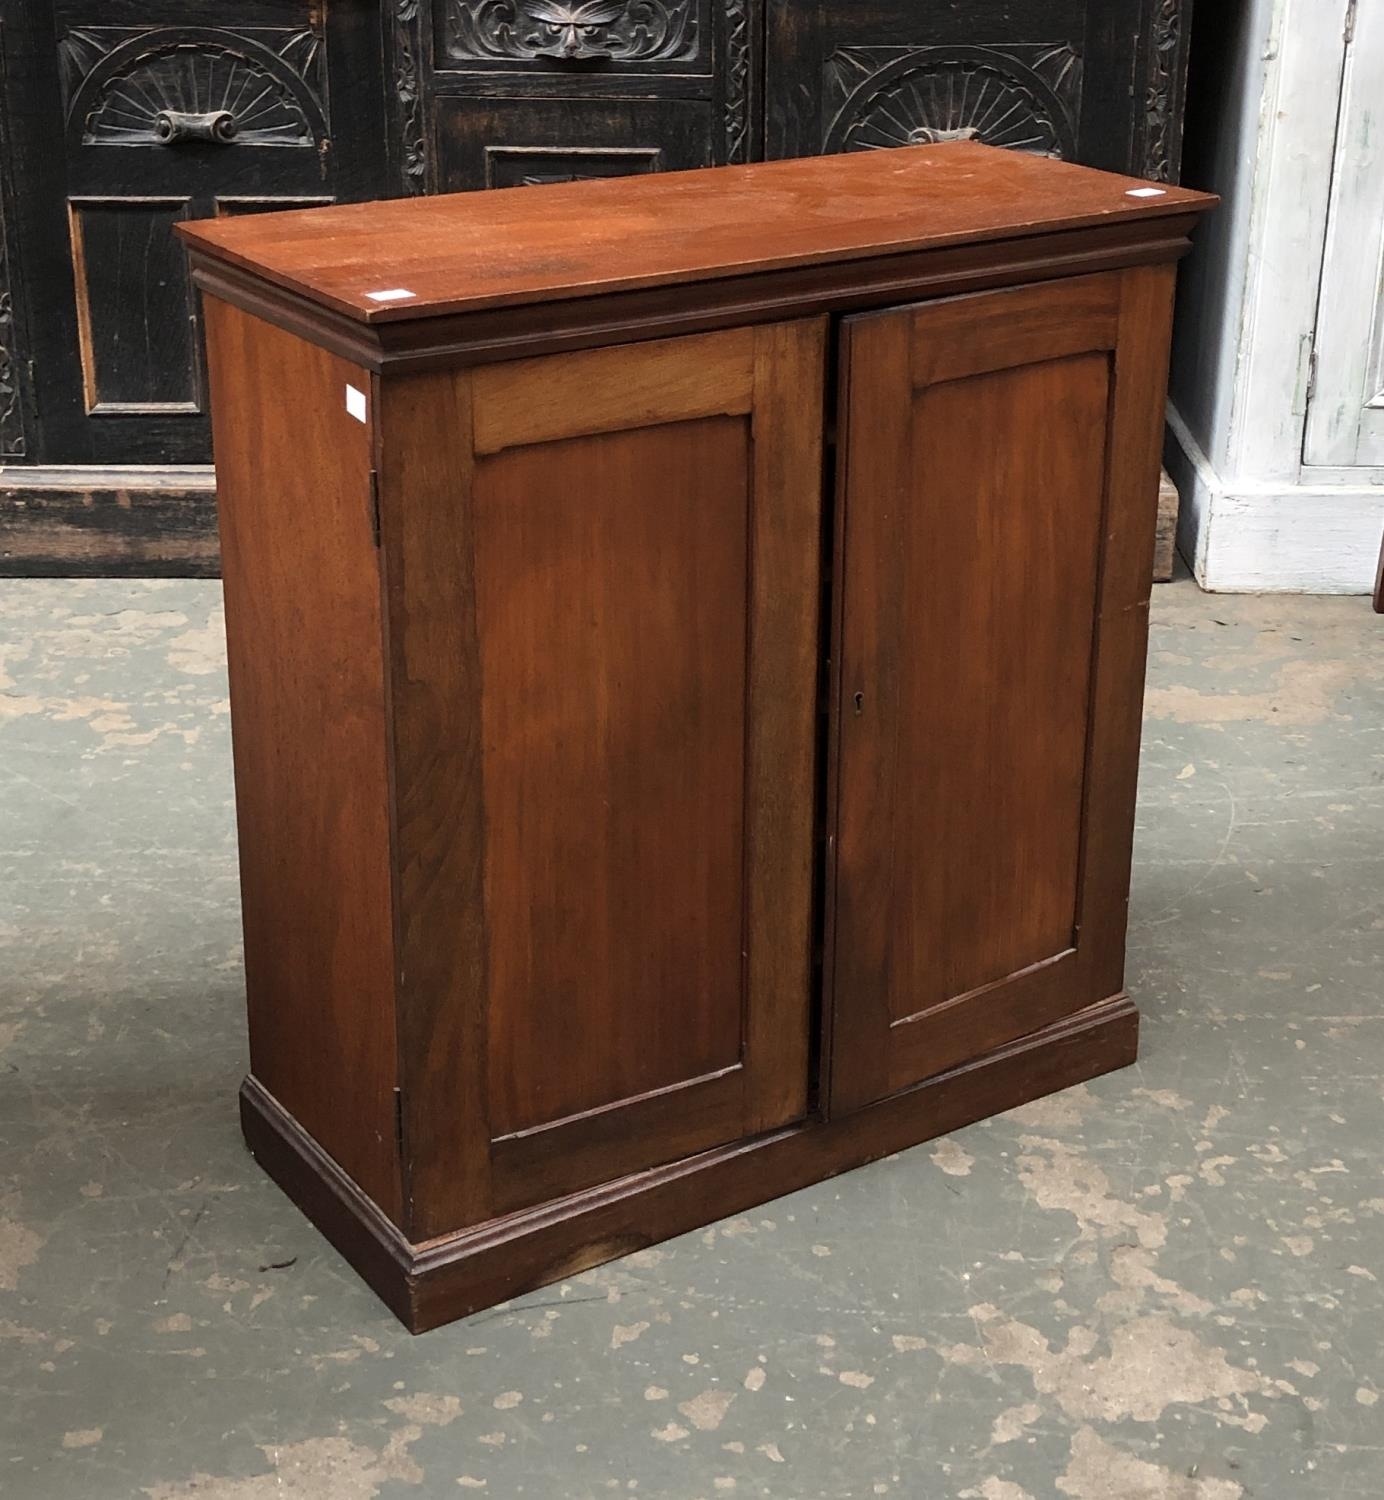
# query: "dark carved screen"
{"points": [[121, 117]]}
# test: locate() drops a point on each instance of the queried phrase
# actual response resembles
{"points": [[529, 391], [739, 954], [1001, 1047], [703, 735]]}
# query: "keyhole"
{"points": [[859, 703]]}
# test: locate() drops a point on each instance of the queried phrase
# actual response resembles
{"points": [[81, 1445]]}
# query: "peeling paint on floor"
{"points": [[1163, 1285]]}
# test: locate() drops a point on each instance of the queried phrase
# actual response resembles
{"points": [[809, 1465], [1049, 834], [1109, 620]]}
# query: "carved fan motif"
{"points": [[946, 94], [237, 95]]}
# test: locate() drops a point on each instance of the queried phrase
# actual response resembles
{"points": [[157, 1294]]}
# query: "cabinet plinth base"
{"points": [[429, 1284]]}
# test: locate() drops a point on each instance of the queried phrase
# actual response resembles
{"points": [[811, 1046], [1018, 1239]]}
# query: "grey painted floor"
{"points": [[1163, 1286]]}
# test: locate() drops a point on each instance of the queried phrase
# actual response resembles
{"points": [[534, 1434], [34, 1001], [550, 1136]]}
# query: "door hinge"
{"points": [[375, 505], [399, 1122], [1307, 373], [1350, 22]]}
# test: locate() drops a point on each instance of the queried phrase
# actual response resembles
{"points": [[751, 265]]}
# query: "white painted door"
{"points": [[1345, 421]]}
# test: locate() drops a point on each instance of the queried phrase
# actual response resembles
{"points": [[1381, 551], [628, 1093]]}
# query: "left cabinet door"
{"points": [[603, 579]]}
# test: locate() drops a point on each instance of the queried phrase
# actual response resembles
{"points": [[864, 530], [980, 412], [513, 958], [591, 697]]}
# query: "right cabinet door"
{"points": [[998, 478]]}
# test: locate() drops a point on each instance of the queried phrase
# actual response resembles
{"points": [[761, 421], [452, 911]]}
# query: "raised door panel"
{"points": [[998, 472], [613, 740], [488, 143], [605, 633], [135, 311]]}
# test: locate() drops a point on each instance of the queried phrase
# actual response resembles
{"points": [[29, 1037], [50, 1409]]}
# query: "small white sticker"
{"points": [[355, 403], [391, 294], [1147, 193]]}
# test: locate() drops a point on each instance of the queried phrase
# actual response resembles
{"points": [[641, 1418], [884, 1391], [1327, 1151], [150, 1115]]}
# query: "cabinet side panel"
{"points": [[305, 652]]}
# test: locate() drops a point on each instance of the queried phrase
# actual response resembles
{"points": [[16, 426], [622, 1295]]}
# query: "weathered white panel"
{"points": [[1248, 536], [1254, 516], [1287, 238], [1346, 422]]}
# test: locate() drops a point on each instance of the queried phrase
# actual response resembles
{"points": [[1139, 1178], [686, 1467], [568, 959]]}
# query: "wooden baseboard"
{"points": [[427, 1285], [1165, 540], [158, 522], [84, 522]]}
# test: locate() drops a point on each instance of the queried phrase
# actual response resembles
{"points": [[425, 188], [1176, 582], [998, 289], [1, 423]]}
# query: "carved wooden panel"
{"points": [[1163, 91], [13, 436], [269, 104], [134, 113], [698, 58], [626, 32], [166, 86], [410, 129], [1098, 81], [739, 93], [1021, 96]]}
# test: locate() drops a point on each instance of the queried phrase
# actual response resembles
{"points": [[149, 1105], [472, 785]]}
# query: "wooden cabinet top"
{"points": [[413, 258]]}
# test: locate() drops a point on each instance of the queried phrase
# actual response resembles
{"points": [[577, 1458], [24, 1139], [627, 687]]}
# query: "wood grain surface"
{"points": [[979, 456], [431, 1284], [304, 647], [593, 887], [479, 250], [603, 617]]}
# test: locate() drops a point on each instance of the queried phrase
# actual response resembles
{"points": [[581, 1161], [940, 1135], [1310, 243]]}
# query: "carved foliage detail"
{"points": [[1159, 99], [12, 443], [133, 87], [408, 95], [11, 417], [642, 31], [737, 98], [1023, 97]]}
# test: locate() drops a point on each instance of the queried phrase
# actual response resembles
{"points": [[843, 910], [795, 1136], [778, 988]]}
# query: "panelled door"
{"points": [[621, 977], [130, 116], [1345, 420], [986, 763]]}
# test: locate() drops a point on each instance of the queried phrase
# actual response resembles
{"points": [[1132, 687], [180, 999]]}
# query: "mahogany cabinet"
{"points": [[686, 642]]}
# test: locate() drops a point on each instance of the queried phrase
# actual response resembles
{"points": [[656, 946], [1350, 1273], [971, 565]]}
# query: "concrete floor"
{"points": [[1162, 1286]]}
